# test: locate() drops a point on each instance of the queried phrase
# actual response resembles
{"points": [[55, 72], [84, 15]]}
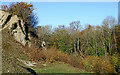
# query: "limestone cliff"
{"points": [[15, 25], [17, 29]]}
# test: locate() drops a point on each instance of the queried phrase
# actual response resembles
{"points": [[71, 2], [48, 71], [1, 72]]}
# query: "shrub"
{"points": [[115, 60], [98, 64], [22, 10]]}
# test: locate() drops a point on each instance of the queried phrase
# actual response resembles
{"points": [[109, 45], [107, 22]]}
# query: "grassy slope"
{"points": [[58, 67], [11, 51]]}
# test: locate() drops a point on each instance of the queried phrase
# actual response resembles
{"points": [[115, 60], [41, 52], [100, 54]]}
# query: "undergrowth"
{"points": [[94, 64]]}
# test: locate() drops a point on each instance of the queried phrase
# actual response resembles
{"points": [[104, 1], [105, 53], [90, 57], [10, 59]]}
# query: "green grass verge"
{"points": [[58, 68]]}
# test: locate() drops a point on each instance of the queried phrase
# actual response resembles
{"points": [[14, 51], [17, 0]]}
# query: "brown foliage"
{"points": [[22, 10], [98, 64], [4, 7], [52, 55]]}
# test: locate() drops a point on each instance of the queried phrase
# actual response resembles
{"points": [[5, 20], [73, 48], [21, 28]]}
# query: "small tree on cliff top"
{"points": [[22, 10]]}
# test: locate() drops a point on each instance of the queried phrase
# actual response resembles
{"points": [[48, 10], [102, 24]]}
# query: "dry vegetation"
{"points": [[94, 48], [89, 63]]}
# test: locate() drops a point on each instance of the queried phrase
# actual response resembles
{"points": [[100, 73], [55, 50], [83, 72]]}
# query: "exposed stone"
{"points": [[3, 18], [28, 63], [18, 32]]}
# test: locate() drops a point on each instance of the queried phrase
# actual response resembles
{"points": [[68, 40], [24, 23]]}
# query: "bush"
{"points": [[98, 64], [115, 60], [22, 10]]}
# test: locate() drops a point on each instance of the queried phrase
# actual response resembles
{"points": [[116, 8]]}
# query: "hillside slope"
{"points": [[11, 51]]}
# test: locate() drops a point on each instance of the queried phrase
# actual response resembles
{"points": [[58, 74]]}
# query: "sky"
{"points": [[63, 13]]}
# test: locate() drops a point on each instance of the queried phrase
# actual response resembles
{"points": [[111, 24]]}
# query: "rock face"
{"points": [[3, 18], [15, 25], [18, 30]]}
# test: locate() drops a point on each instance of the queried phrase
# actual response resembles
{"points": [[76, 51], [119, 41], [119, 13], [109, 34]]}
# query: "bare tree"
{"points": [[108, 24]]}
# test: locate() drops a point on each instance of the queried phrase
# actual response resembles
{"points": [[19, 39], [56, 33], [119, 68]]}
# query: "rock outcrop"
{"points": [[15, 25], [17, 28]]}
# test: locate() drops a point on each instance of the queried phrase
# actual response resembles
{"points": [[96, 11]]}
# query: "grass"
{"points": [[58, 67], [11, 51]]}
